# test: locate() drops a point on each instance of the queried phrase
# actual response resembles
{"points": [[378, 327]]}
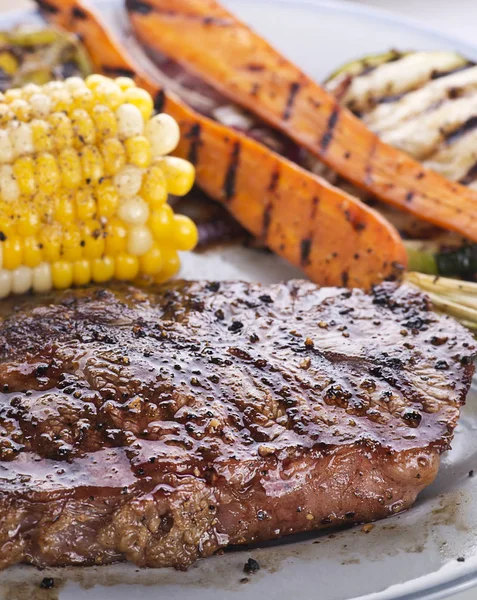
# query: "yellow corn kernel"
{"points": [[83, 98], [83, 128], [8, 62], [6, 115], [154, 187], [185, 234], [65, 211], [92, 164], [141, 99], [180, 174], [170, 266], [28, 222], [114, 156], [124, 83], [61, 100], [21, 109], [69, 163], [109, 94], [42, 134], [93, 237], [13, 94], [138, 150], [62, 131], [107, 198], [47, 173], [32, 254], [160, 223], [81, 272], [92, 81], [85, 204], [116, 237], [151, 262], [50, 240], [102, 269], [12, 252], [24, 172], [72, 249], [43, 206], [127, 267], [105, 121], [62, 274]]}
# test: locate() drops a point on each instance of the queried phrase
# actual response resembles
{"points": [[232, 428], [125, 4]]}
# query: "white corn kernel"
{"points": [[130, 121], [53, 86], [134, 211], [9, 189], [6, 148], [42, 281], [140, 240], [5, 283], [128, 181], [164, 134], [22, 138], [22, 279], [40, 105], [31, 88], [75, 83]]}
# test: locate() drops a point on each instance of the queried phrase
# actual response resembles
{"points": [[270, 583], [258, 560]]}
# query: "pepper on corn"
{"points": [[84, 183]]}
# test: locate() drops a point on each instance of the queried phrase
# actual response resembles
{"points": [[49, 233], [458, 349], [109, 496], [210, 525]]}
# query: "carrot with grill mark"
{"points": [[209, 41], [331, 235]]}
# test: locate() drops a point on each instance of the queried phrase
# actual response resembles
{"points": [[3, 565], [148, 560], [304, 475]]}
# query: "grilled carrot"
{"points": [[331, 235], [209, 41]]}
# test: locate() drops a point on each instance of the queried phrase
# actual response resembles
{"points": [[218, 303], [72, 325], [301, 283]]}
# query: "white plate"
{"points": [[410, 556]]}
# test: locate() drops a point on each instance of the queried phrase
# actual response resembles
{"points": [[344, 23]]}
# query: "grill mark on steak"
{"points": [[173, 419]]}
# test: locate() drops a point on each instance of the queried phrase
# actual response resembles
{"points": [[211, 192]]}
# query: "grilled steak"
{"points": [[159, 426]]}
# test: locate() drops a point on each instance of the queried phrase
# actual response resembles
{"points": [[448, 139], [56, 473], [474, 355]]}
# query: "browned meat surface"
{"points": [[159, 426]]}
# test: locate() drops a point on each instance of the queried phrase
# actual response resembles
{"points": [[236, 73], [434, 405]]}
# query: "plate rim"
{"points": [[446, 584]]}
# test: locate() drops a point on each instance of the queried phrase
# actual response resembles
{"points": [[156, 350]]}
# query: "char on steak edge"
{"points": [[161, 425]]}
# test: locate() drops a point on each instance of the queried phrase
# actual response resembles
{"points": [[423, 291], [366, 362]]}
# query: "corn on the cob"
{"points": [[84, 182]]}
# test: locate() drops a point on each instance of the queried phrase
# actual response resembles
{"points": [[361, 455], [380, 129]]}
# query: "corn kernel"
{"points": [[12, 252], [5, 283], [47, 173], [83, 98], [139, 240], [6, 115], [81, 272], [124, 83], [42, 135], [13, 94], [6, 147], [92, 81], [160, 223], [28, 223], [102, 269], [22, 279], [21, 109], [105, 121], [83, 128], [134, 211], [127, 267], [61, 130], [9, 188], [114, 156], [107, 199], [130, 121], [109, 94], [24, 173], [151, 262], [93, 237], [92, 164], [170, 266], [179, 174], [50, 240], [42, 281], [65, 210], [74, 83], [116, 237], [138, 150], [69, 163], [72, 249], [62, 274], [61, 100], [128, 181], [141, 99], [185, 235], [32, 254], [163, 133], [85, 204], [21, 138], [154, 187], [40, 105]]}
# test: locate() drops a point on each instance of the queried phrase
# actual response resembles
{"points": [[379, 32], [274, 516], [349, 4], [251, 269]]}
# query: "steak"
{"points": [[161, 425]]}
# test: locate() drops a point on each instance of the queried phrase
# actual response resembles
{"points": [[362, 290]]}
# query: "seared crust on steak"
{"points": [[161, 425]]}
